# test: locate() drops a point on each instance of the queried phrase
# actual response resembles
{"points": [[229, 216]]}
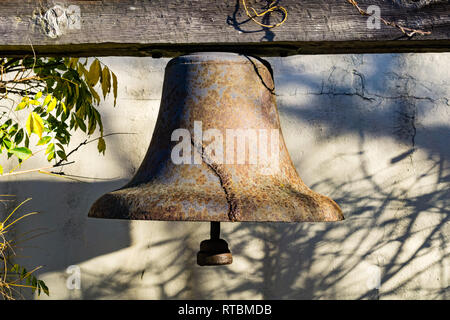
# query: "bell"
{"points": [[217, 154]]}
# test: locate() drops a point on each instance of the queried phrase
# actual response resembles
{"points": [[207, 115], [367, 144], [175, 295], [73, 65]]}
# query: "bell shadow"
{"points": [[298, 261], [319, 261], [288, 269]]}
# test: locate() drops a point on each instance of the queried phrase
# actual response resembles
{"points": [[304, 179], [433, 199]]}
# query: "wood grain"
{"points": [[172, 27]]}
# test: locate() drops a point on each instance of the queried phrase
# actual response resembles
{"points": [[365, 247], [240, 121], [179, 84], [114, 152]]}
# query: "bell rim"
{"points": [[119, 205]]}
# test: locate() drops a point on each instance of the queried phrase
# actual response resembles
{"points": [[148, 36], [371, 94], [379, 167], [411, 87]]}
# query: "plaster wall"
{"points": [[370, 131]]}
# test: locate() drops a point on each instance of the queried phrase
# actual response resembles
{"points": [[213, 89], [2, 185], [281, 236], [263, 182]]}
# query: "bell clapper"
{"points": [[214, 251]]}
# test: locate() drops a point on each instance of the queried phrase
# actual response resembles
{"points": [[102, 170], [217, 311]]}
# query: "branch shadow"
{"points": [[395, 236], [393, 243]]}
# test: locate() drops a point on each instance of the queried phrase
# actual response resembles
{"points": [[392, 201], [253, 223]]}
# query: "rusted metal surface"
{"points": [[223, 91]]}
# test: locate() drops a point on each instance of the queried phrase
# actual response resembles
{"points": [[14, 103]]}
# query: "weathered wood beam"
{"points": [[172, 27]]}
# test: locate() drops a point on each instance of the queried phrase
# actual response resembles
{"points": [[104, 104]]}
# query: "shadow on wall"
{"points": [[393, 243], [62, 235], [240, 22]]}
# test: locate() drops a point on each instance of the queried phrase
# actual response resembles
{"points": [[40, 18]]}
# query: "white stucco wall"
{"points": [[370, 131]]}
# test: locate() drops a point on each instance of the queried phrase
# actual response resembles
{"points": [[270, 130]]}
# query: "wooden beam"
{"points": [[172, 27]]}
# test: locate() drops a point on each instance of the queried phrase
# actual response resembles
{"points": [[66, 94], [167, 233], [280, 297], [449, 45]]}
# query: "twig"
{"points": [[36, 169], [60, 162], [85, 142], [406, 31], [82, 177], [56, 174]]}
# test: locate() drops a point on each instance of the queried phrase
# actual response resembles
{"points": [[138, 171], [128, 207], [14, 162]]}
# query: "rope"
{"points": [[272, 7]]}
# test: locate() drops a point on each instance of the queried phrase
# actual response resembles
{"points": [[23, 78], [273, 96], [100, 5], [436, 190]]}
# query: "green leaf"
{"points": [[106, 81], [12, 131], [92, 125], [6, 124], [18, 137], [44, 287], [44, 140], [15, 268], [34, 284], [80, 123], [94, 73], [61, 154], [7, 143], [21, 153], [101, 146]]}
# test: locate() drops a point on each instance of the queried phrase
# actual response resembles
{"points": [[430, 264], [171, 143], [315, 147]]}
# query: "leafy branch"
{"points": [[59, 95], [45, 99]]}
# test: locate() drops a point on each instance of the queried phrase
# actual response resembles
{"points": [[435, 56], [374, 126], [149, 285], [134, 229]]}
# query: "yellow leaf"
{"points": [[52, 105], [101, 146], [47, 100], [64, 107], [38, 95], [21, 105], [50, 148], [106, 81], [94, 73], [95, 95], [82, 71], [50, 156], [38, 124], [114, 87], [44, 140], [29, 124], [73, 62]]}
